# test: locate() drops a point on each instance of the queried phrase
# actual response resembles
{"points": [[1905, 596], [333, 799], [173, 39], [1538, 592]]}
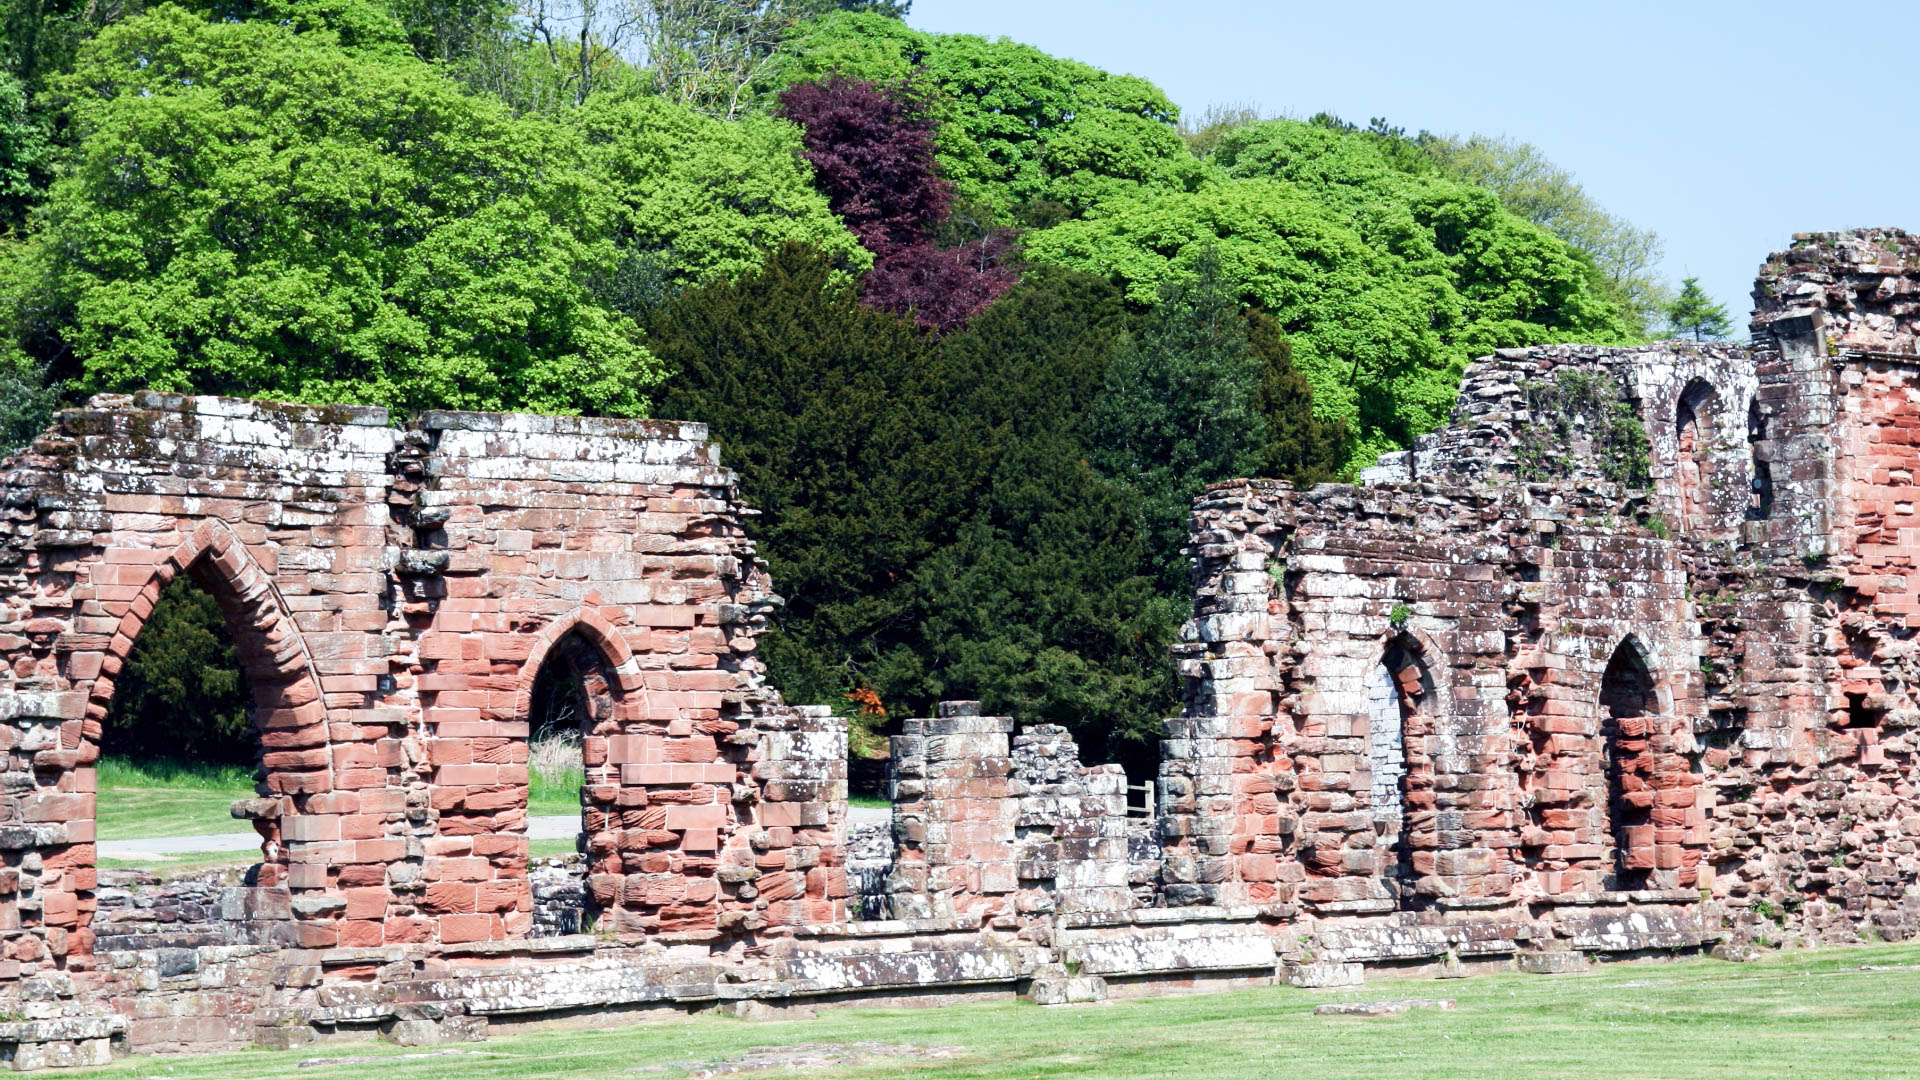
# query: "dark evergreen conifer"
{"points": [[1044, 605], [927, 508], [1298, 447], [181, 695], [802, 386]]}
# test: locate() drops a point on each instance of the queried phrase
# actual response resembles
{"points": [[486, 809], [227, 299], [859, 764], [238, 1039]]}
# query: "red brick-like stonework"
{"points": [[1507, 701], [1638, 697], [394, 594]]}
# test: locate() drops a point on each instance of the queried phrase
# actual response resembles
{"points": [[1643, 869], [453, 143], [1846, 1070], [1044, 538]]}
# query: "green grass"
{"points": [[140, 799], [189, 862], [871, 802], [1831, 1014], [562, 796], [186, 862]]}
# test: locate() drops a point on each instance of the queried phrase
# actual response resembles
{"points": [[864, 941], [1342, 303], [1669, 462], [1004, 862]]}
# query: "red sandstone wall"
{"points": [[394, 595], [1513, 609]]}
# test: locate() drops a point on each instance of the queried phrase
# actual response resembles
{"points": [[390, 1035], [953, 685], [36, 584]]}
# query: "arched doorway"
{"points": [[1400, 702], [1693, 429], [208, 615], [1627, 700], [574, 702]]}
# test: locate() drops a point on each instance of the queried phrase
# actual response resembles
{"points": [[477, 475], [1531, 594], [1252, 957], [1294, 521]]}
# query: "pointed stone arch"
{"points": [[622, 666], [290, 718], [1696, 426], [1628, 702], [272, 650], [581, 657]]}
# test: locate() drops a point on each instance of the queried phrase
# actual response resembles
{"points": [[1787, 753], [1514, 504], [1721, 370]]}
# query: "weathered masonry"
{"points": [[1623, 659]]}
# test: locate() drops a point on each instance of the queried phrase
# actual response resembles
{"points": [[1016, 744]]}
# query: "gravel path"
{"points": [[545, 827]]}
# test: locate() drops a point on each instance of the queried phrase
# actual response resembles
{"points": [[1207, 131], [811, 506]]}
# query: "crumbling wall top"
{"points": [[1860, 287], [1553, 412]]}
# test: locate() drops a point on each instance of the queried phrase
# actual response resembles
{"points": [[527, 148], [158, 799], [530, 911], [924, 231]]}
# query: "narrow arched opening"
{"points": [[1760, 504], [1693, 429], [573, 697], [1400, 702], [1626, 702]]}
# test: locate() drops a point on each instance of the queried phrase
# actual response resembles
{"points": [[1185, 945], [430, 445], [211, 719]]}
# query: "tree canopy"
{"points": [[1386, 268], [1017, 126], [255, 209], [872, 150], [926, 504], [1385, 283], [975, 323], [1548, 195]]}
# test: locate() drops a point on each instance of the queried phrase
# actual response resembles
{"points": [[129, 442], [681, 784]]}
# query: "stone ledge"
{"points": [[62, 1028], [1092, 920], [536, 424], [1137, 956], [377, 954], [547, 946], [250, 408], [873, 928], [827, 973], [47, 705]]}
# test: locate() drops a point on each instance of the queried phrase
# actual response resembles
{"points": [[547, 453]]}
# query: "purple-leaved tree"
{"points": [[872, 151]]}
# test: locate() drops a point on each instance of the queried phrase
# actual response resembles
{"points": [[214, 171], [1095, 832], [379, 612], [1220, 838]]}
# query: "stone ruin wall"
{"points": [[1487, 709]]}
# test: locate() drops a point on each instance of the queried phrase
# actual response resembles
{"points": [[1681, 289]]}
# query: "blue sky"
{"points": [[1725, 127]]}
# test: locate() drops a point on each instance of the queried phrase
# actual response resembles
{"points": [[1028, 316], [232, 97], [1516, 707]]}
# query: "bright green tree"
{"points": [[26, 154], [694, 198], [455, 31], [1544, 193], [254, 210], [1694, 312], [39, 38], [1385, 284]]}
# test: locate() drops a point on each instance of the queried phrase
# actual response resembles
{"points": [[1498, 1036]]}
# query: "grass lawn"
{"points": [[562, 796], [140, 799], [186, 862], [1830, 1014]]}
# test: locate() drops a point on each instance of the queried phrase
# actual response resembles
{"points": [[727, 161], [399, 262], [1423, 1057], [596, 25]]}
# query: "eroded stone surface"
{"points": [[1492, 707]]}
